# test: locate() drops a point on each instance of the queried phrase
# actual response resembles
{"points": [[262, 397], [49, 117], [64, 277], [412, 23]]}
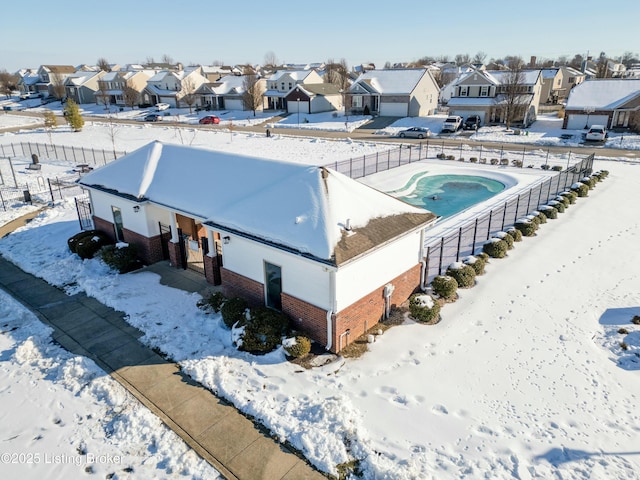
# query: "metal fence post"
{"points": [[459, 243], [51, 191]]}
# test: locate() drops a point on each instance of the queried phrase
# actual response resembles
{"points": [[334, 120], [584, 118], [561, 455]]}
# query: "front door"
{"points": [[273, 285]]}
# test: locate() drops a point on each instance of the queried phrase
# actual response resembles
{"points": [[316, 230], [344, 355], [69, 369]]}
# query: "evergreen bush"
{"points": [[557, 168], [515, 234], [215, 301], [494, 161], [475, 262], [121, 257], [550, 211], [464, 274], [445, 287], [504, 161], [526, 227], [495, 248], [441, 156], [89, 245], [264, 330], [73, 241], [508, 239], [423, 308], [298, 346], [581, 189], [483, 256], [570, 195], [233, 311]]}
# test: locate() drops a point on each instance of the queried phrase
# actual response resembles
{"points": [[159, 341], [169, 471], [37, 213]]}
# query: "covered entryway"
{"points": [[193, 243]]}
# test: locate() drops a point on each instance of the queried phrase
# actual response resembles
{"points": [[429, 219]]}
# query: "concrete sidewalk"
{"points": [[236, 447]]}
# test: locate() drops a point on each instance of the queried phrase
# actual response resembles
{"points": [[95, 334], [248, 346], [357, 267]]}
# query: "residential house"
{"points": [[27, 80], [82, 86], [614, 103], [282, 82], [51, 79], [213, 73], [484, 93], [449, 77], [570, 78], [331, 252], [225, 94], [551, 85], [112, 85], [314, 98], [410, 92], [168, 86]]}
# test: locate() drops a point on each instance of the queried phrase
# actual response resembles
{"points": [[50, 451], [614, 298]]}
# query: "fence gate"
{"points": [[83, 207], [165, 237]]}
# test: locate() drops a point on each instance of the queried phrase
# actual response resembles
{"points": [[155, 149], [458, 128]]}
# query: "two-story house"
{"points": [[82, 86], [51, 80], [403, 92], [282, 82], [112, 86], [171, 87], [491, 93], [225, 94]]}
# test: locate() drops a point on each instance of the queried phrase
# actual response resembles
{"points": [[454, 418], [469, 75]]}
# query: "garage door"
{"points": [[394, 109], [578, 122], [292, 107]]}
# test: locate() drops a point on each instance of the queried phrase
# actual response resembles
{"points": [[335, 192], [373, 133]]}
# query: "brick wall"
{"points": [[235, 285], [149, 249], [105, 227], [306, 317]]}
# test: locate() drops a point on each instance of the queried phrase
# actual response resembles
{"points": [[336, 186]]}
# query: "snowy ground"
{"points": [[523, 378]]}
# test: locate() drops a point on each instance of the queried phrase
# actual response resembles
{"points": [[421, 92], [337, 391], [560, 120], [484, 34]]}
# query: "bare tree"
{"points": [[103, 64], [50, 122], [130, 95], [270, 59], [629, 58], [57, 84], [112, 130], [602, 65], [102, 95], [8, 83], [461, 59], [576, 61], [252, 97], [479, 57], [189, 92], [166, 58], [337, 73], [514, 95]]}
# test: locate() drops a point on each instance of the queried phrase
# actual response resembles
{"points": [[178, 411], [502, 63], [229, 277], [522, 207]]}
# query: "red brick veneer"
{"points": [[149, 249], [235, 285]]}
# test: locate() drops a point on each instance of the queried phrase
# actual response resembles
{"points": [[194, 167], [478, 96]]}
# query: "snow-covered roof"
{"points": [[530, 77], [603, 94], [80, 78], [296, 75], [299, 207], [228, 84], [392, 81], [549, 72]]}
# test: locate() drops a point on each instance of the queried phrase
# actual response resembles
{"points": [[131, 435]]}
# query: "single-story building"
{"points": [[331, 252]]}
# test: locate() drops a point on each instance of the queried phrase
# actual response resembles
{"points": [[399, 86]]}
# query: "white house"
{"points": [[332, 253]]}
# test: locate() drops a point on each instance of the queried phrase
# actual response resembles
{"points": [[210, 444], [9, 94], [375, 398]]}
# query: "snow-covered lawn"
{"points": [[524, 377]]}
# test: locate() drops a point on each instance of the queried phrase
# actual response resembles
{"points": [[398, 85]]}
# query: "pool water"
{"points": [[446, 195]]}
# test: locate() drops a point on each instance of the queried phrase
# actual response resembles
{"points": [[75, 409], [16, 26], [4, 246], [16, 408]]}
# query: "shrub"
{"points": [[526, 227], [549, 211], [602, 174], [515, 234], [636, 320], [589, 182], [234, 311], [542, 218], [122, 257], [445, 287], [580, 189], [563, 200], [423, 309], [450, 157], [483, 161], [464, 274], [495, 248], [73, 241], [89, 245], [570, 195], [557, 168], [504, 161], [483, 256], [441, 156], [297, 347], [508, 239], [623, 331], [473, 159], [546, 166], [215, 301], [494, 161], [264, 330], [516, 163], [477, 263]]}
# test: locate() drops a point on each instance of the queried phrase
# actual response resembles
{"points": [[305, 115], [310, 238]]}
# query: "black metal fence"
{"points": [[468, 237], [40, 190], [77, 155]]}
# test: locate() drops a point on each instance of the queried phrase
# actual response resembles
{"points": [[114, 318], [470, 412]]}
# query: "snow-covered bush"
{"points": [[570, 195], [477, 263], [464, 274], [549, 211], [581, 189], [557, 168], [445, 287], [508, 239], [526, 226], [215, 301], [563, 200], [73, 241], [559, 205], [297, 347], [263, 330], [122, 257], [539, 217], [495, 248], [89, 245], [423, 308], [589, 182], [515, 234], [494, 161], [233, 311], [601, 174]]}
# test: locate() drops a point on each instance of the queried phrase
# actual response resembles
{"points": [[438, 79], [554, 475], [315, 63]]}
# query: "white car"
{"points": [[597, 133], [452, 124], [162, 106]]}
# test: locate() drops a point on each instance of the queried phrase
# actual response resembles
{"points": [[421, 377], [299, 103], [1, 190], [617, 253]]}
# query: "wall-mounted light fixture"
{"points": [[226, 240], [136, 208]]}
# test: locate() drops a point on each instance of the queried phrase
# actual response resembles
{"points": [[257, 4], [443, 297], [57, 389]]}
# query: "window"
{"points": [[282, 85], [464, 91], [290, 85], [356, 101], [117, 222], [572, 79], [484, 91], [273, 285]]}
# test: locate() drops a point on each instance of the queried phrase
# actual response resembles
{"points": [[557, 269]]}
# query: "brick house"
{"points": [[331, 252]]}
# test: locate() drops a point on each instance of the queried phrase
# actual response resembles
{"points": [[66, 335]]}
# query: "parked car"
{"points": [[452, 124], [597, 133], [415, 132], [209, 120], [472, 122], [153, 117], [29, 95], [162, 106]]}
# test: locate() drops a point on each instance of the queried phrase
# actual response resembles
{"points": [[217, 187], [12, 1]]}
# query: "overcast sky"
{"points": [[75, 32]]}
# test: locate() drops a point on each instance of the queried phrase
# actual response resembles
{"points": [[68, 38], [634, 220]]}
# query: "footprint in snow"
{"points": [[439, 410]]}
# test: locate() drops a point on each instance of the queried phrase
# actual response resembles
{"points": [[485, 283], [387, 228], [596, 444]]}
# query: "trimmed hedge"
{"points": [[122, 257], [89, 245], [515, 234], [423, 308], [233, 311], [464, 274], [507, 238], [264, 330], [215, 301], [477, 263], [550, 211], [495, 248], [581, 189], [526, 227], [570, 195], [297, 347], [72, 243], [445, 287]]}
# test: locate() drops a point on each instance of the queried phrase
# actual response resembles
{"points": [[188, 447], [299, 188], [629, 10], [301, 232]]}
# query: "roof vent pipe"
{"points": [[347, 225]]}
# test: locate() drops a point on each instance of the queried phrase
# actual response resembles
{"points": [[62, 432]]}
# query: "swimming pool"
{"points": [[446, 195]]}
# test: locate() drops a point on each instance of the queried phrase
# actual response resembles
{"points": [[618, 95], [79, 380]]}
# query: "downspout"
{"points": [[388, 291], [332, 309], [423, 263]]}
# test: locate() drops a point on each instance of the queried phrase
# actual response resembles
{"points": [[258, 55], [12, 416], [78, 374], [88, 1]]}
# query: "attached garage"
{"points": [[293, 106], [578, 121], [394, 109], [233, 104]]}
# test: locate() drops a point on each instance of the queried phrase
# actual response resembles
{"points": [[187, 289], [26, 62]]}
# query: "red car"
{"points": [[209, 120]]}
